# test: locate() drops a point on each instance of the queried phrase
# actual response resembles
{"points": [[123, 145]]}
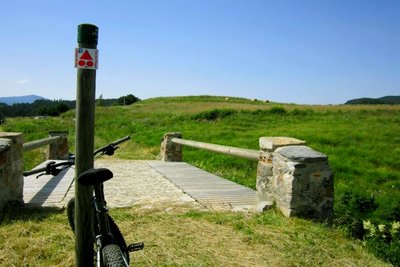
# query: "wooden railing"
{"points": [[40, 143], [58, 145], [250, 154]]}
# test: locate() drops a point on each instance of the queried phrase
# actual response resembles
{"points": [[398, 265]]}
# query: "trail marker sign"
{"points": [[86, 58]]}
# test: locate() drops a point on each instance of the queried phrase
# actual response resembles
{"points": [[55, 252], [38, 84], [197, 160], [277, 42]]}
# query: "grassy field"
{"points": [[182, 237], [362, 144]]}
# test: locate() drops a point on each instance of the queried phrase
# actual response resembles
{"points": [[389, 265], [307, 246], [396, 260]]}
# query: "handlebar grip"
{"points": [[45, 169], [34, 171], [112, 146], [119, 141]]}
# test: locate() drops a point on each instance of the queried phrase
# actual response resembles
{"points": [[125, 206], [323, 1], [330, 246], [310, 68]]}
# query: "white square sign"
{"points": [[86, 58]]}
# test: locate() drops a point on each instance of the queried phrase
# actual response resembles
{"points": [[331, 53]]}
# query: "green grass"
{"points": [[35, 237], [182, 237], [362, 142]]}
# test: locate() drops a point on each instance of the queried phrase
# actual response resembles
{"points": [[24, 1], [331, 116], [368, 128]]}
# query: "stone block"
{"points": [[272, 143], [11, 168], [301, 154], [296, 178], [171, 151], [60, 149]]}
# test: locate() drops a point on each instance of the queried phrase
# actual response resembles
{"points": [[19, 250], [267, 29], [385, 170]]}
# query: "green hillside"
{"points": [[362, 144]]}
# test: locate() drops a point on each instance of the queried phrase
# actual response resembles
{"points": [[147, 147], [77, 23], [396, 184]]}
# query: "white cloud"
{"points": [[23, 81]]}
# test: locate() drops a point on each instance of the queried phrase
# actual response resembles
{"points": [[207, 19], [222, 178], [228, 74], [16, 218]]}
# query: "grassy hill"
{"points": [[386, 100], [362, 143]]}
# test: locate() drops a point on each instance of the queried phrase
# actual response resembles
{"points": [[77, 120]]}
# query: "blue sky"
{"points": [[306, 52]]}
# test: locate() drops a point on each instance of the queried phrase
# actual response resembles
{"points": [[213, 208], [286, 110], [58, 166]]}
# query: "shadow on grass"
{"points": [[25, 213]]}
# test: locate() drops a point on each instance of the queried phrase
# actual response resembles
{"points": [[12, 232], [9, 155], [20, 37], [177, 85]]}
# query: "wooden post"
{"points": [[84, 142]]}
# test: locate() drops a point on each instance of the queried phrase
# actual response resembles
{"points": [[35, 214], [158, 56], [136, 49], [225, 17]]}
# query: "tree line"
{"points": [[56, 107], [386, 100]]}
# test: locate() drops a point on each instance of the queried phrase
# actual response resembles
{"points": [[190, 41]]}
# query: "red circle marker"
{"points": [[81, 63], [90, 63]]}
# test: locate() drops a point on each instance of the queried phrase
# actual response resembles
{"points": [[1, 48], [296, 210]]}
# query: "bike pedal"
{"points": [[135, 246]]}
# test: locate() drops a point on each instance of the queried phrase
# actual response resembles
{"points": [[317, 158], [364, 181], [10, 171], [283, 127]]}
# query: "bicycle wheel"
{"points": [[71, 213], [118, 237], [112, 256]]}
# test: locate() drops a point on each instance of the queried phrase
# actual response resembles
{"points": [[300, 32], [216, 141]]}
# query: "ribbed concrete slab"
{"points": [[208, 189]]}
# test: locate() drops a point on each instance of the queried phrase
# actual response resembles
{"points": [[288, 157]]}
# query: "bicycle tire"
{"points": [[118, 237], [71, 213], [112, 256]]}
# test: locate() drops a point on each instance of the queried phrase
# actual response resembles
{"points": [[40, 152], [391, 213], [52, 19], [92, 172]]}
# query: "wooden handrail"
{"points": [[39, 143], [227, 150]]}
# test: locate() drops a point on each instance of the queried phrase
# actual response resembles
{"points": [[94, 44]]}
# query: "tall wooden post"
{"points": [[84, 142]]}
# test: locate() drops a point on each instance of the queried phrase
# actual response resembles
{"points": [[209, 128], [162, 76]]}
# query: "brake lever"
{"points": [[110, 150], [40, 175], [55, 171]]}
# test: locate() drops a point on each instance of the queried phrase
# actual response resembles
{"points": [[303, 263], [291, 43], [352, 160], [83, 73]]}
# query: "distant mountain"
{"points": [[20, 99], [390, 100]]}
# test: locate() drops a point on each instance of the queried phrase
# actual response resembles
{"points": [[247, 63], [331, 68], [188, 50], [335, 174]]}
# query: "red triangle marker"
{"points": [[86, 56]]}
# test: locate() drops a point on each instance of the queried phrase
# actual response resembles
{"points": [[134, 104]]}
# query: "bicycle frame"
{"points": [[110, 246], [109, 241], [104, 237]]}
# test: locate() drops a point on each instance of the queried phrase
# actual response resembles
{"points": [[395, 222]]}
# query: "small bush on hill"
{"points": [[302, 112], [214, 114], [128, 100], [278, 111]]}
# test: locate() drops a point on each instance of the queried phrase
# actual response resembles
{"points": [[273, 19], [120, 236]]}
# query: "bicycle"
{"points": [[111, 248]]}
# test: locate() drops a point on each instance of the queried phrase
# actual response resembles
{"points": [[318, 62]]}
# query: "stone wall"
{"points": [[11, 164], [11, 167], [295, 178], [60, 149]]}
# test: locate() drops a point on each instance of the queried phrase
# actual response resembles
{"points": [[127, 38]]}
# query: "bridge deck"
{"points": [[144, 183], [208, 189], [47, 190]]}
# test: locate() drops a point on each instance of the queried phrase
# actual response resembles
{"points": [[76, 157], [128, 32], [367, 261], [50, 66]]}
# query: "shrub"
{"points": [[302, 112], [383, 241], [277, 111], [214, 114], [128, 100], [351, 209]]}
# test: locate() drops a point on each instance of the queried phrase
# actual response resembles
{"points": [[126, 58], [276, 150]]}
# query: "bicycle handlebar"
{"points": [[110, 148], [51, 167]]}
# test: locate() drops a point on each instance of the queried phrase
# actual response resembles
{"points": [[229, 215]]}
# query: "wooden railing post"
{"points": [[169, 150], [84, 141], [60, 149]]}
